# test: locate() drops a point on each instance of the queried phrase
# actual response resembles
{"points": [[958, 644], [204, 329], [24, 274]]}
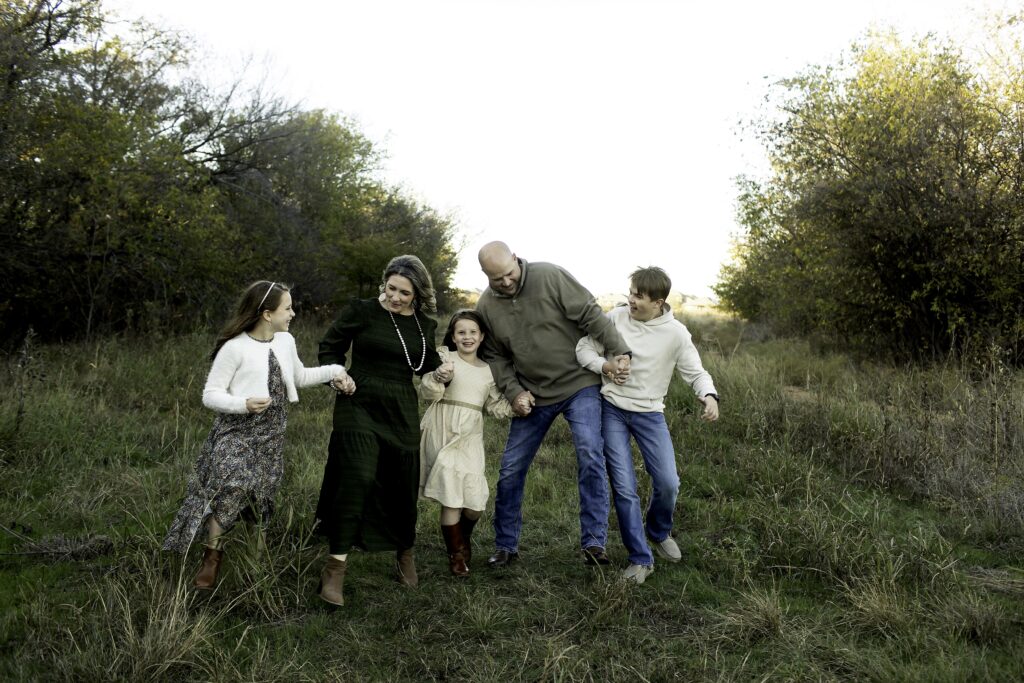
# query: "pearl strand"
{"points": [[404, 348]]}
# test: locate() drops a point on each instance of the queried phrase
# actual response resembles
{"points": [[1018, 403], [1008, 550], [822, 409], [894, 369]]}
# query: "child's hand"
{"points": [[710, 413], [445, 372], [257, 405], [344, 384], [617, 369]]}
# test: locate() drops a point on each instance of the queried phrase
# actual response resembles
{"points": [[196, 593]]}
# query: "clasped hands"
{"points": [[444, 372], [343, 384], [617, 369], [523, 404]]}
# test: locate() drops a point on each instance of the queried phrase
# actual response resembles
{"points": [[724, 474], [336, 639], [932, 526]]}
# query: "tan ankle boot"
{"points": [[332, 581], [453, 542], [407, 568], [206, 579]]}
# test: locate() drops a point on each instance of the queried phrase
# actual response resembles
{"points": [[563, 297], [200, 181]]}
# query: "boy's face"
{"points": [[642, 308]]}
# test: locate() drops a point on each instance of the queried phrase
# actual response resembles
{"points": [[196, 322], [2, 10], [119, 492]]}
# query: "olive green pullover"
{"points": [[533, 334]]}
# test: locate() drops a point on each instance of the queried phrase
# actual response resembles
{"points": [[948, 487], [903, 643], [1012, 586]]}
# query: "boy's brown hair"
{"points": [[651, 281]]}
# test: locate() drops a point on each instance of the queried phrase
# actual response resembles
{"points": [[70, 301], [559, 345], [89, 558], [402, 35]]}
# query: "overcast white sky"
{"points": [[601, 135]]}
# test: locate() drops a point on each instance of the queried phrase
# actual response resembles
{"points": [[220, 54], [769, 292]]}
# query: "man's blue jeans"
{"points": [[582, 411], [655, 442]]}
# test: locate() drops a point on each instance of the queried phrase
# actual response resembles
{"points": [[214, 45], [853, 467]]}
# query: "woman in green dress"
{"points": [[369, 493]]}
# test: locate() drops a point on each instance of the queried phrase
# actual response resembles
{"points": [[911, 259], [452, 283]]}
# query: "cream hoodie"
{"points": [[658, 346]]}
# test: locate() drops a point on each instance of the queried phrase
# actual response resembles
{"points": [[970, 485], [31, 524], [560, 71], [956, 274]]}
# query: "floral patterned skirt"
{"points": [[238, 471]]}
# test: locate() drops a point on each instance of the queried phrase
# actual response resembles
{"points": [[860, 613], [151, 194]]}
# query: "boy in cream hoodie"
{"points": [[633, 404]]}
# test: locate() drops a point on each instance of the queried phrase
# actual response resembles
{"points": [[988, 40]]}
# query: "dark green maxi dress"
{"points": [[371, 479]]}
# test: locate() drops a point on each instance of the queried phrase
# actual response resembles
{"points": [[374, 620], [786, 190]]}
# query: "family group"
{"points": [[537, 346]]}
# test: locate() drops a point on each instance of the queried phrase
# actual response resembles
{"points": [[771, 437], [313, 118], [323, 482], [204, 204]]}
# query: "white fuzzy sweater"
{"points": [[659, 346], [240, 371]]}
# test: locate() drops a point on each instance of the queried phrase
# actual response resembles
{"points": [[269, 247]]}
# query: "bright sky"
{"points": [[600, 135]]}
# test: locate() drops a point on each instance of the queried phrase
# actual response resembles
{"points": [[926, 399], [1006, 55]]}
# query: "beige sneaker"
{"points": [[637, 573], [668, 549]]}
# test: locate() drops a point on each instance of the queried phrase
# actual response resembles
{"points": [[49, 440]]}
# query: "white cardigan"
{"points": [[241, 371], [659, 346]]}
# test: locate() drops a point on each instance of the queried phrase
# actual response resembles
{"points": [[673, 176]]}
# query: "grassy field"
{"points": [[840, 522]]}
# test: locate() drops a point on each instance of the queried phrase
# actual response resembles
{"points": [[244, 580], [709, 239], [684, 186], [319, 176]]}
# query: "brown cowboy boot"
{"points": [[206, 579], [332, 581], [467, 532], [454, 543], [407, 568]]}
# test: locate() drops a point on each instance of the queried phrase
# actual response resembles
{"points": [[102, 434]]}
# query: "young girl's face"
{"points": [[467, 336], [283, 314]]}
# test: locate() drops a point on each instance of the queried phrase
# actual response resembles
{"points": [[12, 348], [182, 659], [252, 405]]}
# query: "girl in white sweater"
{"points": [[255, 373]]}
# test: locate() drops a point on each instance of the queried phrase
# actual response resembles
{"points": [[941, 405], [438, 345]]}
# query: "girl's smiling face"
{"points": [[467, 336], [282, 316]]}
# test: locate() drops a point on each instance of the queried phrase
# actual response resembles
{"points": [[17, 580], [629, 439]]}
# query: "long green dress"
{"points": [[371, 479]]}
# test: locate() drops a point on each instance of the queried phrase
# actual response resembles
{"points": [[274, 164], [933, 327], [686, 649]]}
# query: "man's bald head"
{"points": [[501, 267]]}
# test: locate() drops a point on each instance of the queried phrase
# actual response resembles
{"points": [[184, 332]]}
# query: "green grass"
{"points": [[840, 522]]}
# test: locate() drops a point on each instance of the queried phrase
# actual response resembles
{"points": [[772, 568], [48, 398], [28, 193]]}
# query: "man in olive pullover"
{"points": [[536, 313]]}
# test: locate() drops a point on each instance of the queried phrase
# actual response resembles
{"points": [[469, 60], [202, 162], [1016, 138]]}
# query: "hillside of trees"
{"points": [[133, 196], [892, 221]]}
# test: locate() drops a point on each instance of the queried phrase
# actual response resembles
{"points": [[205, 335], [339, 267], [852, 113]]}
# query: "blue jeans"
{"points": [[651, 434], [582, 411]]}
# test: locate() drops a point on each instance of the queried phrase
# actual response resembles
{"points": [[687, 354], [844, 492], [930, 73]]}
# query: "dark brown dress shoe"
{"points": [[501, 559], [595, 555]]}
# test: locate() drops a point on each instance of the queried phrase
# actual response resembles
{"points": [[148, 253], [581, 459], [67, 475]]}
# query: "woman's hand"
{"points": [[257, 405], [343, 384], [445, 372]]}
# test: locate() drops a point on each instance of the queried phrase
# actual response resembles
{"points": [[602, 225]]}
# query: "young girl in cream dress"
{"points": [[452, 441]]}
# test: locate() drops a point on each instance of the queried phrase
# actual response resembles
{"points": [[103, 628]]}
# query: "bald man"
{"points": [[536, 313]]}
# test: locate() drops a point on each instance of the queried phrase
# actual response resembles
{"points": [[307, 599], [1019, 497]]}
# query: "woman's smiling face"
{"points": [[399, 295]]}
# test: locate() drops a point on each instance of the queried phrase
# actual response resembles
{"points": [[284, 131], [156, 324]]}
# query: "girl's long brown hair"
{"points": [[248, 310]]}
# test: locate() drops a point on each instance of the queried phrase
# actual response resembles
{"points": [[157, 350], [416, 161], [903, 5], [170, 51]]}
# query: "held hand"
{"points": [[523, 404], [617, 369], [710, 413], [257, 405], [445, 372], [343, 384]]}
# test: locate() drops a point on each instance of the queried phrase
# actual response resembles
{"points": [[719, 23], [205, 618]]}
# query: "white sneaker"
{"points": [[668, 549], [637, 573]]}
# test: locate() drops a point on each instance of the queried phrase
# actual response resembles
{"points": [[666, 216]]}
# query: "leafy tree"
{"points": [[890, 223], [131, 195]]}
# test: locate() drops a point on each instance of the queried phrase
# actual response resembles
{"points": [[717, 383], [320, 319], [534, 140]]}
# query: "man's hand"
{"points": [[617, 369], [523, 404], [710, 413]]}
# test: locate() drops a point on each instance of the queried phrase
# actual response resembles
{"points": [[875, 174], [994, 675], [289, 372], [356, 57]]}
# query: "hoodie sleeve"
{"points": [[689, 367]]}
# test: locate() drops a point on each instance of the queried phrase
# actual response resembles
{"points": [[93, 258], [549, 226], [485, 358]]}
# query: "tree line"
{"points": [[133, 196], [892, 220]]}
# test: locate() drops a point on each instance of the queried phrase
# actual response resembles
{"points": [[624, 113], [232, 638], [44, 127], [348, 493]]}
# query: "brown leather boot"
{"points": [[332, 581], [467, 533], [206, 579], [454, 543], [407, 568]]}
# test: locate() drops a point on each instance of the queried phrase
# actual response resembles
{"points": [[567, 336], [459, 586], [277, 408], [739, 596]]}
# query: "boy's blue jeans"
{"points": [[651, 433], [582, 411]]}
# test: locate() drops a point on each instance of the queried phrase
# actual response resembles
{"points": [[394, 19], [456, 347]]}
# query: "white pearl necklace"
{"points": [[404, 348]]}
